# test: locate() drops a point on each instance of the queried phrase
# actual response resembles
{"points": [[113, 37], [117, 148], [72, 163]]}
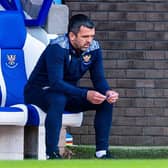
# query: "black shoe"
{"points": [[54, 155], [106, 156]]}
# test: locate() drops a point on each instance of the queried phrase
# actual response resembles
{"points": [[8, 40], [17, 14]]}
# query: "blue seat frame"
{"points": [[41, 18]]}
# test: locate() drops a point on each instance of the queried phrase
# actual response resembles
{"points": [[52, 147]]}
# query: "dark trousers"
{"points": [[54, 104]]}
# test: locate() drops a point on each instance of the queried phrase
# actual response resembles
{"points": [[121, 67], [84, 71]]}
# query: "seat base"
{"points": [[11, 142], [34, 142]]}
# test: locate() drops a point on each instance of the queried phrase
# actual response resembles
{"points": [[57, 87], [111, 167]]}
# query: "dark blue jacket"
{"points": [[60, 68]]}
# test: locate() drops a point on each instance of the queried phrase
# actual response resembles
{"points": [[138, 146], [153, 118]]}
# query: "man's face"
{"points": [[83, 39]]}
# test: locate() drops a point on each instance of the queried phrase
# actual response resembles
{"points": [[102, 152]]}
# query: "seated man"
{"points": [[53, 84]]}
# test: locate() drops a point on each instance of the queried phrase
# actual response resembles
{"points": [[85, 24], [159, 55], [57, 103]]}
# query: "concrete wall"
{"points": [[134, 38]]}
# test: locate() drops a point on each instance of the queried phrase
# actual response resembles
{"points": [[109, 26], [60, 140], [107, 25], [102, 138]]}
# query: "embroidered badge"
{"points": [[86, 59], [11, 61]]}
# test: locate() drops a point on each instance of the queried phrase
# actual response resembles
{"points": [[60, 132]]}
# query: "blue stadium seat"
{"points": [[12, 69], [13, 112]]}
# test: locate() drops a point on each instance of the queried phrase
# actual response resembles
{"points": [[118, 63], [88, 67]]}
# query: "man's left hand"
{"points": [[112, 96]]}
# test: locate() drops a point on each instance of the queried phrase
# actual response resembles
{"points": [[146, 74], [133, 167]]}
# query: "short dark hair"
{"points": [[79, 20]]}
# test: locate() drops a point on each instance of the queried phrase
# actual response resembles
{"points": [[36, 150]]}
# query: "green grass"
{"points": [[125, 157], [87, 152], [132, 163]]}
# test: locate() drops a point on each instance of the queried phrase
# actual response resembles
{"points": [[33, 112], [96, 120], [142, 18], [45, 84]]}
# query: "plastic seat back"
{"points": [[12, 66]]}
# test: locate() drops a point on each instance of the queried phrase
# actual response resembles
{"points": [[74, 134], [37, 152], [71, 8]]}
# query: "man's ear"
{"points": [[72, 36]]}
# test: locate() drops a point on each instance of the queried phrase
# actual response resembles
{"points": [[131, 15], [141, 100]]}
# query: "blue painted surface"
{"points": [[57, 1], [43, 12]]}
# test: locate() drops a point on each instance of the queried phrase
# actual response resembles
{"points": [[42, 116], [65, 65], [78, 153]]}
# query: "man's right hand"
{"points": [[95, 97]]}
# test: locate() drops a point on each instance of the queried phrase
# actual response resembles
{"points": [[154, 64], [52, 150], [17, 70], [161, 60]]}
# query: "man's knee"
{"points": [[57, 98]]}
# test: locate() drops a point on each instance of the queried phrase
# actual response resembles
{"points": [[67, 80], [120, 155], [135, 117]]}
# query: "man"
{"points": [[53, 84]]}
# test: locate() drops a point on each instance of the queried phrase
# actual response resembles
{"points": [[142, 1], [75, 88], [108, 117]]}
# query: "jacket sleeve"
{"points": [[97, 73], [55, 56]]}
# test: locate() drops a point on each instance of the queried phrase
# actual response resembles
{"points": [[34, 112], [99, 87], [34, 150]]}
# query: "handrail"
{"points": [[41, 18]]}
